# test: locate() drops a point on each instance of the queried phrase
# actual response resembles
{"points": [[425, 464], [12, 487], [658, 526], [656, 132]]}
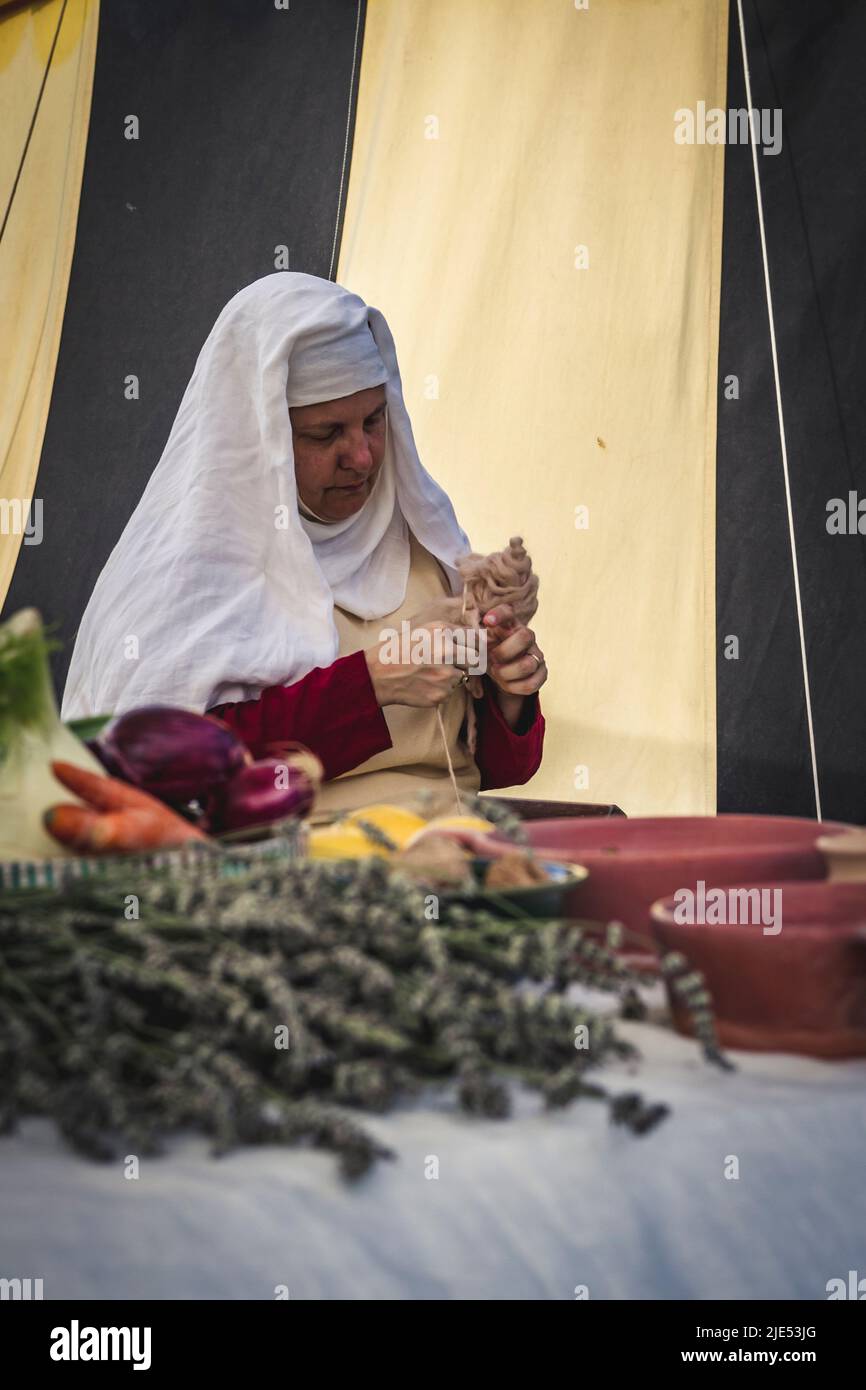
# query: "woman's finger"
{"points": [[520, 640], [520, 670], [527, 686], [447, 645], [499, 621]]}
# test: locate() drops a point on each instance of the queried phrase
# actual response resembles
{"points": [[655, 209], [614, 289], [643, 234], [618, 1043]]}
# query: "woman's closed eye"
{"points": [[329, 434]]}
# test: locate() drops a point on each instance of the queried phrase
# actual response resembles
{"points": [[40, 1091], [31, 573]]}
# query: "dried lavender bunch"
{"points": [[507, 822], [691, 991], [260, 1007]]}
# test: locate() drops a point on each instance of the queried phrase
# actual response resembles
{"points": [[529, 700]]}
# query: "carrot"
{"points": [[115, 832], [118, 819], [71, 825], [105, 793]]}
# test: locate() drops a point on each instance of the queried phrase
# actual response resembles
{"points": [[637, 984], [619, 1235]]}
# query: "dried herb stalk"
{"points": [[264, 1006]]}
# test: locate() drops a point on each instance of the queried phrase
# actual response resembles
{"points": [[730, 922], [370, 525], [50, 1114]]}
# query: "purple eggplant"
{"points": [[272, 789]]}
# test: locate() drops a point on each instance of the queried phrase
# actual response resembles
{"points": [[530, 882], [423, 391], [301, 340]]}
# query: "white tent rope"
{"points": [[782, 439]]}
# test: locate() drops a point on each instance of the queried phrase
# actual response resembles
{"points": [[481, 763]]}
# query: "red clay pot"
{"points": [[633, 862], [802, 990]]}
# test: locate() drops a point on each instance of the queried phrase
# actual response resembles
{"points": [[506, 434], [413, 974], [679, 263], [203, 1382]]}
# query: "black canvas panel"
{"points": [[244, 112], [806, 59]]}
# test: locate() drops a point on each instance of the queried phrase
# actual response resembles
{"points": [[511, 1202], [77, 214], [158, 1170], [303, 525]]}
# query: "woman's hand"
{"points": [[515, 663], [422, 685]]}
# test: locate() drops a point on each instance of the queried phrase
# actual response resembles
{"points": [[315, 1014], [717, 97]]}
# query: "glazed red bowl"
{"points": [[802, 989], [634, 862]]}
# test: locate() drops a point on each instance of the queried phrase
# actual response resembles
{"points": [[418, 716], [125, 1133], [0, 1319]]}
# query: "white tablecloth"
{"points": [[524, 1209]]}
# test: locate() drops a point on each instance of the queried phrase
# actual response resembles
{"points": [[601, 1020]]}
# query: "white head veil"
{"points": [[218, 587]]}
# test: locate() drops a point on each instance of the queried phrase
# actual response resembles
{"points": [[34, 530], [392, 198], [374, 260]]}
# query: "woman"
{"points": [[287, 524]]}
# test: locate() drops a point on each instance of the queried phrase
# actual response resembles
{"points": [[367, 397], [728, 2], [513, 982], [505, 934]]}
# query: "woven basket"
{"points": [[229, 856]]}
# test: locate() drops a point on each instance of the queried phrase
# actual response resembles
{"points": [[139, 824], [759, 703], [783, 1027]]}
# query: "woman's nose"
{"points": [[357, 454]]}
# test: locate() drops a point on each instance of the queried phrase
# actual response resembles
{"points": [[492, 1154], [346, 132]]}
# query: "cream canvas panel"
{"points": [[36, 250], [549, 260]]}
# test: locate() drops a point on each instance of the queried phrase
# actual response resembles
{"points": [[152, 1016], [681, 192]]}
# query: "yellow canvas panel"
{"points": [[549, 259], [37, 245]]}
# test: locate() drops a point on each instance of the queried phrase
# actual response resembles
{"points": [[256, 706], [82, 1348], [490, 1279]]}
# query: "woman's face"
{"points": [[339, 447]]}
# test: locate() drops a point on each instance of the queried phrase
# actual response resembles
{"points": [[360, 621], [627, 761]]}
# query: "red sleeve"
{"points": [[333, 711], [507, 757]]}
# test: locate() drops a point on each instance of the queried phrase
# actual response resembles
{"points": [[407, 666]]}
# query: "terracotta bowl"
{"points": [[633, 862], [845, 856], [801, 990]]}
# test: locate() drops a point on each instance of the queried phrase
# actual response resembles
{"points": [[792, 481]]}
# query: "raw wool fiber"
{"points": [[266, 1006], [506, 576]]}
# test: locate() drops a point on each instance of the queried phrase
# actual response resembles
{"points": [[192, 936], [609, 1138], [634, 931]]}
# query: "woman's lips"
{"points": [[352, 487]]}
